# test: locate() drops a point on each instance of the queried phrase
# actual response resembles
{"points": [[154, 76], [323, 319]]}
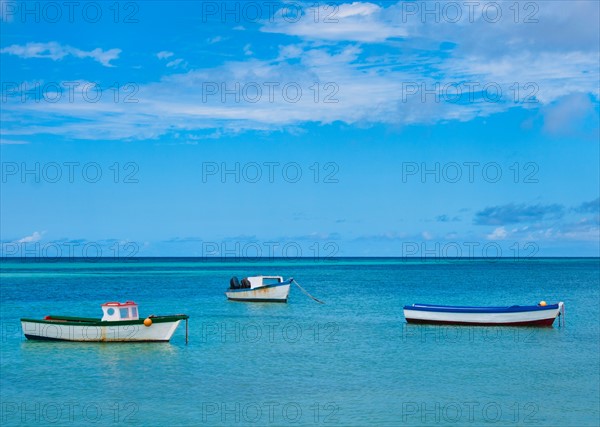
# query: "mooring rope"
{"points": [[306, 292]]}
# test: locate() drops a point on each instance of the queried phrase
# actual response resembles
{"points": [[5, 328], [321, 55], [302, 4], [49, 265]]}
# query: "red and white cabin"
{"points": [[114, 311]]}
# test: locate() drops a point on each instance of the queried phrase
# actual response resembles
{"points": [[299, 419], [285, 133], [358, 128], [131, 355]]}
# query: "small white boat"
{"points": [[517, 315], [120, 323], [259, 289]]}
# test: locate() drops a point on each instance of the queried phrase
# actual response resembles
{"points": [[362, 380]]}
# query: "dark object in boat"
{"points": [[234, 283]]}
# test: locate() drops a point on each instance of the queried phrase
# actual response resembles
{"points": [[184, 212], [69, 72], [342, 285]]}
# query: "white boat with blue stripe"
{"points": [[259, 289], [517, 315]]}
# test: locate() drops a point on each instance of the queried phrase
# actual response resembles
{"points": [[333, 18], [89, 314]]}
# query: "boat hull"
{"points": [[270, 293], [161, 330], [483, 316]]}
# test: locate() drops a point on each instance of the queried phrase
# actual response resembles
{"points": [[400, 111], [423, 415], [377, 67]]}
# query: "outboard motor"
{"points": [[234, 283], [245, 282]]}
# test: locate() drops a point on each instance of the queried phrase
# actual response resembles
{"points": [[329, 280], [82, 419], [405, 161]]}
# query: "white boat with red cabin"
{"points": [[120, 323], [517, 315]]}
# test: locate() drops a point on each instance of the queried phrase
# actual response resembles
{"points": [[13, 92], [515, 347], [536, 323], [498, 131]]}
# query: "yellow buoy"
{"points": [[147, 321], [543, 303]]}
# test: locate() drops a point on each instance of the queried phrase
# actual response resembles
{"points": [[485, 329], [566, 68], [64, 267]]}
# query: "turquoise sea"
{"points": [[351, 362]]}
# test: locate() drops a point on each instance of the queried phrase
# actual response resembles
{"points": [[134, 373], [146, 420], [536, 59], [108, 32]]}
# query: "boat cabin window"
{"points": [[134, 313], [124, 312], [271, 281], [110, 311]]}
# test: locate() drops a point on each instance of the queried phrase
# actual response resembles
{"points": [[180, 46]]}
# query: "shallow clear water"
{"points": [[352, 361]]}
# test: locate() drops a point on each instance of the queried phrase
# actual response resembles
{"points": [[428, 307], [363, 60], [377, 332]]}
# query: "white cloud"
{"points": [[35, 237], [499, 233], [552, 74], [357, 85], [164, 54], [4, 141], [174, 63], [214, 40], [357, 21], [582, 230], [353, 9], [349, 90], [533, 27], [56, 51], [568, 114]]}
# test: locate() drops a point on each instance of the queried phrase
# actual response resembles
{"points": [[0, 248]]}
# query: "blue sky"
{"points": [[314, 129]]}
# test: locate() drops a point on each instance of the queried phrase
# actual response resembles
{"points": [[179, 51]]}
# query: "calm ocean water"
{"points": [[352, 361]]}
